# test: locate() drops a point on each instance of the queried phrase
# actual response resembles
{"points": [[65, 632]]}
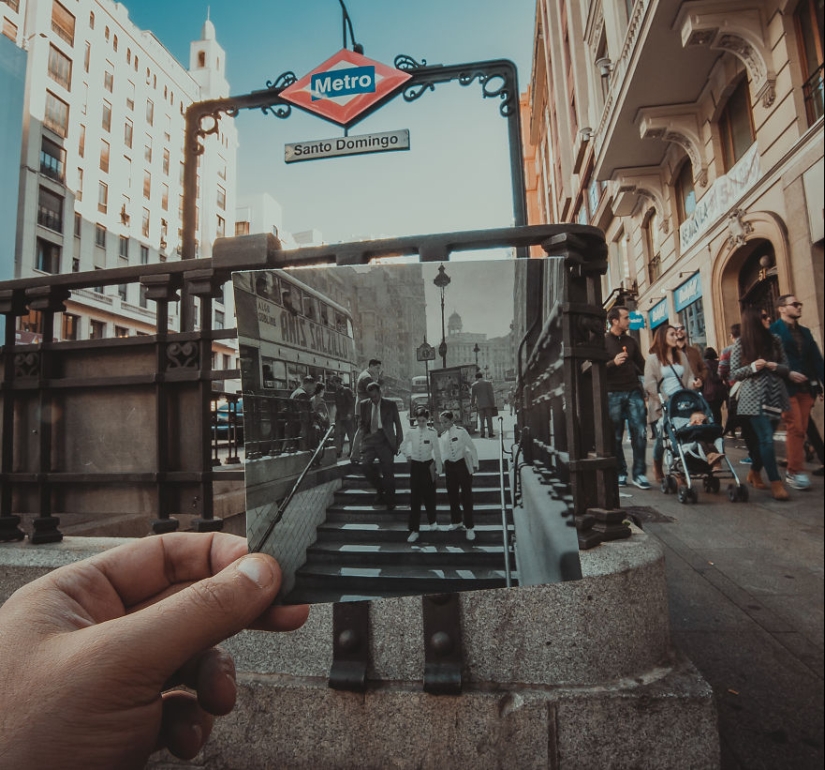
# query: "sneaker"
{"points": [[425, 528], [454, 527], [471, 534], [641, 482], [413, 537], [798, 481], [622, 480], [746, 461]]}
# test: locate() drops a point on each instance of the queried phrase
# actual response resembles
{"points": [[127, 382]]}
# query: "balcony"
{"points": [[52, 167]]}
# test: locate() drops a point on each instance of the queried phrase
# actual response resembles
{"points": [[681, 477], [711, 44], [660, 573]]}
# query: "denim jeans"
{"points": [[630, 406], [763, 428]]}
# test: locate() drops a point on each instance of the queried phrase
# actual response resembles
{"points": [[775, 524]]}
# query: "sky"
{"points": [[456, 176]]}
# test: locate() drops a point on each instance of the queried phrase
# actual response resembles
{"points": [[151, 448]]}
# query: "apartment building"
{"points": [[692, 134], [101, 162]]}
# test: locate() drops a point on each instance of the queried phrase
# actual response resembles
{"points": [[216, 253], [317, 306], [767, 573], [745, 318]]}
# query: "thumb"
{"points": [[164, 635]]}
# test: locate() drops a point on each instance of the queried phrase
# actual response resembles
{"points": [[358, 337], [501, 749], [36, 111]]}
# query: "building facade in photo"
{"points": [[101, 160], [692, 134]]}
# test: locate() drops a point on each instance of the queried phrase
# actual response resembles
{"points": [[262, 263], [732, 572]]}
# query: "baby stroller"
{"points": [[685, 458]]}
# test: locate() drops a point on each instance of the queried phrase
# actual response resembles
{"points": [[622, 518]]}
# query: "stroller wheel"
{"points": [[743, 493], [733, 493], [687, 496], [712, 484], [672, 485]]}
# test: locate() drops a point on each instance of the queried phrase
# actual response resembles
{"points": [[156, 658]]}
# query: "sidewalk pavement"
{"points": [[745, 583]]}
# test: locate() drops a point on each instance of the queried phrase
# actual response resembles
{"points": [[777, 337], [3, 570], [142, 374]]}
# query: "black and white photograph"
{"points": [[379, 425]]}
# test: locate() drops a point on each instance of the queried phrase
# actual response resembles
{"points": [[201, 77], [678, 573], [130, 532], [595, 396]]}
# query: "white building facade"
{"points": [[101, 163]]}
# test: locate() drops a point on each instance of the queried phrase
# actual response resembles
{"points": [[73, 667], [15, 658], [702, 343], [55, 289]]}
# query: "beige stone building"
{"points": [[692, 134]]}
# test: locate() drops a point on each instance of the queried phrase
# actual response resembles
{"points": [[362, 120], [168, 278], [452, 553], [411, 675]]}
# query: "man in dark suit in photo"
{"points": [[382, 434]]}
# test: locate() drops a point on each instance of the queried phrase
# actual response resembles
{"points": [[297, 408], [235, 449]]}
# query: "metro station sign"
{"points": [[344, 87]]}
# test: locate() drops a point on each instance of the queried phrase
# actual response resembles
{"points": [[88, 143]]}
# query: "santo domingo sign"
{"points": [[387, 141], [345, 87]]}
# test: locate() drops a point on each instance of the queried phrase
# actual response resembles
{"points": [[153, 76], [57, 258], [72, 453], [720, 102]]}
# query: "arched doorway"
{"points": [[758, 282]]}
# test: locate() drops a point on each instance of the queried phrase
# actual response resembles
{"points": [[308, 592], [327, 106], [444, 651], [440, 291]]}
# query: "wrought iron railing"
{"points": [[814, 92], [125, 425]]}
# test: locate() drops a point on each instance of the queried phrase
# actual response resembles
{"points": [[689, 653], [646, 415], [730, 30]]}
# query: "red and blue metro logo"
{"points": [[344, 87]]}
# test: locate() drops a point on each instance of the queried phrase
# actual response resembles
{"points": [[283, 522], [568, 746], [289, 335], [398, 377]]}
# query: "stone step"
{"points": [[428, 550], [395, 530], [487, 513], [365, 494], [399, 578]]}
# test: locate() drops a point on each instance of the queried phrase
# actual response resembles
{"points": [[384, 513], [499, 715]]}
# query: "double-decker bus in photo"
{"points": [[287, 330]]}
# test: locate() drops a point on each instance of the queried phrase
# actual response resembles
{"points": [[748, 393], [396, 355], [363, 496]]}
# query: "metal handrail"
{"points": [[256, 547], [504, 533]]}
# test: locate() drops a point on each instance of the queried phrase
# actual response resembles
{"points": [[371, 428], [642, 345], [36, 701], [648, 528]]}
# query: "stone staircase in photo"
{"points": [[363, 553]]}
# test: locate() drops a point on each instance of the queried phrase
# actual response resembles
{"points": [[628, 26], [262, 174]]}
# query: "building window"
{"points": [[219, 319], [70, 326], [87, 57], [107, 116], [78, 223], [685, 194], [142, 300], [221, 198], [13, 4], [100, 236], [220, 231], [48, 256], [650, 233], [164, 197], [50, 210], [144, 255], [79, 191], [62, 23], [81, 142], [109, 81], [97, 330], [128, 132], [241, 228], [809, 22], [736, 125], [123, 293], [114, 42], [91, 21], [104, 156], [122, 331], [75, 265], [150, 112], [10, 29], [57, 114], [147, 185], [147, 149], [130, 96], [144, 227], [102, 197], [165, 163], [60, 68], [52, 157]]}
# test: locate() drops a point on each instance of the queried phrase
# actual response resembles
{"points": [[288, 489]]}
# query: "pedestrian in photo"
{"points": [[804, 384], [483, 398], [344, 416], [666, 372], [320, 413], [371, 374], [382, 434], [421, 448], [625, 397], [460, 458], [759, 362]]}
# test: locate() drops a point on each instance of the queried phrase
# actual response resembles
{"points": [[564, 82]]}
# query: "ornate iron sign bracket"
{"points": [[498, 79]]}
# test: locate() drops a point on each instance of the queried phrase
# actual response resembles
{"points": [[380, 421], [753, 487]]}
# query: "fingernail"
{"points": [[256, 570]]}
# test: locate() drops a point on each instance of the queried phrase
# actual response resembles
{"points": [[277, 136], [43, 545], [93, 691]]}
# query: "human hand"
{"points": [[620, 358], [759, 364], [797, 377], [697, 383], [92, 650]]}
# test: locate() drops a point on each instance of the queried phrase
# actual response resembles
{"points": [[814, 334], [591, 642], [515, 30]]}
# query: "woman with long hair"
{"points": [[758, 361], [666, 371]]}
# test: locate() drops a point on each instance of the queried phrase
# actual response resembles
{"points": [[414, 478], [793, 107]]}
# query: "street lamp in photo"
{"points": [[476, 348], [442, 280]]}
